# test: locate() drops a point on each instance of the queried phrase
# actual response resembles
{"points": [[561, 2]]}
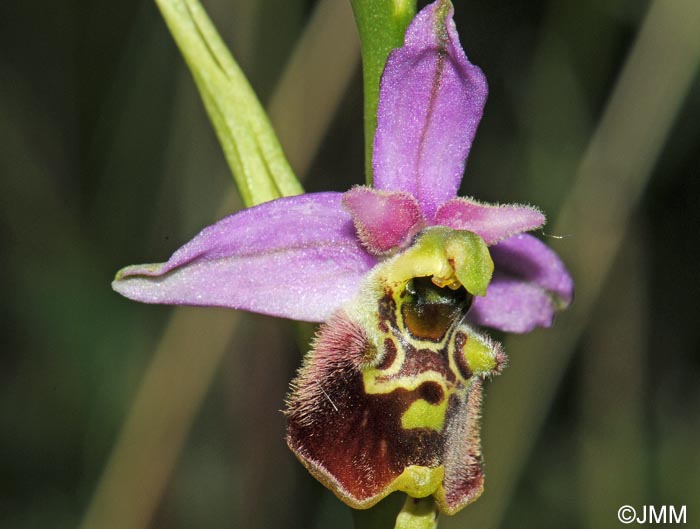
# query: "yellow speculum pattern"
{"points": [[423, 414]]}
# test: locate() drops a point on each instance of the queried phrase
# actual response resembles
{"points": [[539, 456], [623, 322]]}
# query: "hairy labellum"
{"points": [[389, 397]]}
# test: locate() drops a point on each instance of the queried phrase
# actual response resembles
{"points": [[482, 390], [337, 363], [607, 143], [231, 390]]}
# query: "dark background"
{"points": [[107, 159]]}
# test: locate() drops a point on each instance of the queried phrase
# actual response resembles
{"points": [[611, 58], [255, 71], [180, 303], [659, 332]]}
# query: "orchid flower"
{"points": [[401, 275]]}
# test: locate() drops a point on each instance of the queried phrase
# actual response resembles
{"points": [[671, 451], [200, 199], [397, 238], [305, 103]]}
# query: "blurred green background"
{"points": [[127, 416]]}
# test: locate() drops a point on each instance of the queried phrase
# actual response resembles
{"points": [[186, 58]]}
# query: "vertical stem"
{"points": [[613, 436], [418, 513], [381, 25]]}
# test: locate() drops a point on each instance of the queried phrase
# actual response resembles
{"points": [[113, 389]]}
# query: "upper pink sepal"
{"points": [[430, 104], [492, 222], [385, 220]]}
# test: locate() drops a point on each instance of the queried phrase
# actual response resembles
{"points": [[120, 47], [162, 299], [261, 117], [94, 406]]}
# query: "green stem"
{"points": [[418, 513], [381, 25]]}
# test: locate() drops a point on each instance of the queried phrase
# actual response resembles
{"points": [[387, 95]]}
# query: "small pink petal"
{"points": [[492, 222], [385, 220]]}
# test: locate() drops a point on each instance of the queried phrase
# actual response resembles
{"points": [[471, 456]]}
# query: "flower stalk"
{"points": [[381, 25], [418, 513]]}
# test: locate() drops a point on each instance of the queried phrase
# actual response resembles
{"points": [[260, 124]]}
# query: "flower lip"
{"points": [[396, 374]]}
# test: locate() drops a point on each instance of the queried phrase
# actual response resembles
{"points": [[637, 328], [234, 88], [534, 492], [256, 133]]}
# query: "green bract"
{"points": [[252, 150]]}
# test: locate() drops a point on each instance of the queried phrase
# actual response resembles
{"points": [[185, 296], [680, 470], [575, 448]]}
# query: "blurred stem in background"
{"points": [[614, 386], [177, 379]]}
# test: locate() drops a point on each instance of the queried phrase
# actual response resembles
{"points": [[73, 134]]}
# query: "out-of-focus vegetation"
{"points": [[127, 416]]}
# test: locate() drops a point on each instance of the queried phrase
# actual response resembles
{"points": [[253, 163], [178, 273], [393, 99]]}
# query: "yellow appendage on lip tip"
{"points": [[419, 481]]}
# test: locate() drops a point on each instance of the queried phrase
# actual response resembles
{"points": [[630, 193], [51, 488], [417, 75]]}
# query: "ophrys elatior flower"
{"points": [[401, 275]]}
